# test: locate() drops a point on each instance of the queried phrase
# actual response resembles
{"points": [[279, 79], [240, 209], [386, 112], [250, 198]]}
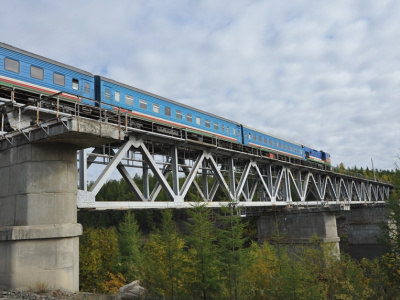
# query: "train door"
{"points": [[245, 137], [106, 96], [87, 92]]}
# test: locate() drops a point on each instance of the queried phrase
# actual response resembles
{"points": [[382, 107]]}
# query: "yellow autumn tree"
{"points": [[98, 250], [166, 260]]}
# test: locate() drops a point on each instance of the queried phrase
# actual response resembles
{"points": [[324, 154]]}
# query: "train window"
{"points": [[216, 126], [87, 88], [279, 145], [156, 108], [38, 73], [117, 96], [275, 143], [198, 120], [249, 136], [291, 147], [227, 129], [167, 111], [207, 123], [270, 142], [178, 115], [222, 127], [189, 118], [238, 133], [234, 131], [254, 137], [59, 79], [107, 94], [142, 104], [11, 65], [75, 84], [259, 139], [265, 141], [129, 100]]}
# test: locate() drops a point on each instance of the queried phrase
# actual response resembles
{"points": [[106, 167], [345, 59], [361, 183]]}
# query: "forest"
{"points": [[203, 253]]}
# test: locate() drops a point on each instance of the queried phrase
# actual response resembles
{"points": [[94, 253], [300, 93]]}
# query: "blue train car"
{"points": [[34, 73], [317, 156], [272, 144], [153, 108]]}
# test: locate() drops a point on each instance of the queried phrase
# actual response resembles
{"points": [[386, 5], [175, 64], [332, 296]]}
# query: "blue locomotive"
{"points": [[33, 73]]}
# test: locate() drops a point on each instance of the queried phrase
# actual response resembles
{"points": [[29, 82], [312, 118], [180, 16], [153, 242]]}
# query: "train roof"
{"points": [[12, 48], [277, 137], [166, 99], [274, 136]]}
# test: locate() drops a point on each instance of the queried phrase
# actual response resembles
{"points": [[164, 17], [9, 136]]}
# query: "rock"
{"points": [[131, 291]]}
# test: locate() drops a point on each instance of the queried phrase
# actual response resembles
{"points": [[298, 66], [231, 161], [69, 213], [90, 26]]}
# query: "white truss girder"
{"points": [[247, 181]]}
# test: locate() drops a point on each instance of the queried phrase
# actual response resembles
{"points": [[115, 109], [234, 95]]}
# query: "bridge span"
{"points": [[43, 138], [120, 141]]}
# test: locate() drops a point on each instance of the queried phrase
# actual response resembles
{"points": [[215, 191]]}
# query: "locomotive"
{"points": [[27, 71]]}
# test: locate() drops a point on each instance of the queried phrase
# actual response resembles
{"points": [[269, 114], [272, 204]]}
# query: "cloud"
{"points": [[318, 73]]}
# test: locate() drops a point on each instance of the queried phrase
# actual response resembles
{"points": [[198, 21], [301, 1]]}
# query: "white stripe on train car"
{"points": [[151, 117], [35, 87]]}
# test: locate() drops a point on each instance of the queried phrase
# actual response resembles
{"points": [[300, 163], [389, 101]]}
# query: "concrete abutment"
{"points": [[39, 234]]}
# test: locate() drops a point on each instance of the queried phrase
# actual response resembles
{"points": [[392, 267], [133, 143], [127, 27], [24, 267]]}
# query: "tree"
{"points": [[98, 250], [232, 252], [130, 245], [203, 252], [391, 236], [166, 259]]}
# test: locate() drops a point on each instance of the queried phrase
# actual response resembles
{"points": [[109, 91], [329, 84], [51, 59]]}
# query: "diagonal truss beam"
{"points": [[275, 183]]}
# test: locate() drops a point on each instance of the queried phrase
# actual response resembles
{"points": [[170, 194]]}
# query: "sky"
{"points": [[321, 73]]}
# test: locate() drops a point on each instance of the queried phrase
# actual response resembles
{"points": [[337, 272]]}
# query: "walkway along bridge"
{"points": [[39, 140]]}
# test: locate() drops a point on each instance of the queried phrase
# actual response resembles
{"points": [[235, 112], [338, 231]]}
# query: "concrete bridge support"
{"points": [[39, 234], [363, 228], [293, 228]]}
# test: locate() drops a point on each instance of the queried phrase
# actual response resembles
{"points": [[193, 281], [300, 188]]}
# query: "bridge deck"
{"points": [[245, 175]]}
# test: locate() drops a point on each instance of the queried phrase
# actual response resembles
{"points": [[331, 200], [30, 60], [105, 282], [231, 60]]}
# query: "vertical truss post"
{"points": [[232, 181], [175, 169], [286, 186], [82, 170], [146, 185], [205, 181]]}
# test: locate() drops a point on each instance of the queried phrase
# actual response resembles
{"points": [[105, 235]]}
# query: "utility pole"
{"points": [[373, 170]]}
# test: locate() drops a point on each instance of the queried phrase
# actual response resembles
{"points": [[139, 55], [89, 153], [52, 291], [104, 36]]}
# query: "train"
{"points": [[27, 71]]}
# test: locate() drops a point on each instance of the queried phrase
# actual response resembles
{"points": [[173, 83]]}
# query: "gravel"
{"points": [[52, 295]]}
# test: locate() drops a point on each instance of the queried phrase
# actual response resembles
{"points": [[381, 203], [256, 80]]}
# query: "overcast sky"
{"points": [[322, 73]]}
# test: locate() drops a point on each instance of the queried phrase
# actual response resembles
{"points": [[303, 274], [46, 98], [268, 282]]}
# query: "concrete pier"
{"points": [[39, 234], [298, 228], [363, 228]]}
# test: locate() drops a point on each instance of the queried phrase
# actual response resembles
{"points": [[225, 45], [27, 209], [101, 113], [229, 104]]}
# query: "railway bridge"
{"points": [[44, 141]]}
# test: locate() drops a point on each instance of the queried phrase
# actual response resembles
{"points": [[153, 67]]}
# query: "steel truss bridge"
{"points": [[183, 164]]}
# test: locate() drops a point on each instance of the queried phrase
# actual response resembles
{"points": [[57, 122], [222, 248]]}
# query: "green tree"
{"points": [[166, 259], [203, 252], [232, 253], [391, 236], [130, 245]]}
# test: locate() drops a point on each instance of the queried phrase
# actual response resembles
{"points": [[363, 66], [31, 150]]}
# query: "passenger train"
{"points": [[27, 71]]}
